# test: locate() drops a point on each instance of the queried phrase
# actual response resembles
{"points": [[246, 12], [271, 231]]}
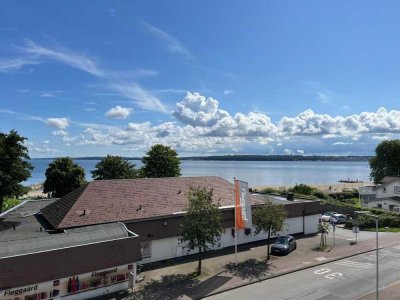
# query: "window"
{"points": [[145, 249], [130, 267], [384, 189], [397, 189], [379, 205], [391, 207], [56, 282]]}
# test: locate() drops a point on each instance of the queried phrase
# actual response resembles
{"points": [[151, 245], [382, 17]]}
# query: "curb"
{"points": [[287, 272]]}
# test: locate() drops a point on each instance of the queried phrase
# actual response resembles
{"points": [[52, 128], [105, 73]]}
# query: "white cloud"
{"points": [[115, 81], [300, 151], [172, 43], [341, 144], [323, 98], [45, 149], [76, 60], [59, 123], [227, 92], [59, 132], [13, 64], [118, 112]]}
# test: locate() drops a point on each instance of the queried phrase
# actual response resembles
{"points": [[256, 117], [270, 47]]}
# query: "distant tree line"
{"points": [[278, 158]]}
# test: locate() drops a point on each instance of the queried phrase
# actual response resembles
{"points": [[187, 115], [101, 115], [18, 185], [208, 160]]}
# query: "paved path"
{"points": [[344, 279], [175, 280]]}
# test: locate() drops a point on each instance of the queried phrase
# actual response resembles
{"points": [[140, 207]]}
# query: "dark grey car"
{"points": [[284, 244]]}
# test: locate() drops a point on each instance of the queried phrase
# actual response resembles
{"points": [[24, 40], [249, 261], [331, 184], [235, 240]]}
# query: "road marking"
{"points": [[349, 263], [328, 276], [388, 253], [321, 258]]}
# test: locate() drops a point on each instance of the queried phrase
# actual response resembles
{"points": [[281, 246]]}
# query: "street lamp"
{"points": [[367, 213]]}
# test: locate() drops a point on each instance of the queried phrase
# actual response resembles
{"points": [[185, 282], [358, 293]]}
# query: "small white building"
{"points": [[385, 195]]}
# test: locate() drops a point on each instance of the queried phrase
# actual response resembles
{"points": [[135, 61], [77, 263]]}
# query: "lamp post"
{"points": [[377, 257]]}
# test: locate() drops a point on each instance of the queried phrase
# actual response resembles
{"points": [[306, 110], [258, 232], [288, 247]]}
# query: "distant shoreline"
{"points": [[246, 158]]}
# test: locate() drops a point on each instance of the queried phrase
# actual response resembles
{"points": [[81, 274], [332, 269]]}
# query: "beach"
{"points": [[328, 187]]}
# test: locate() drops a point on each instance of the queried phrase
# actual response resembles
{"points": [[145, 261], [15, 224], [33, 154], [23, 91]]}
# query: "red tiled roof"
{"points": [[106, 201]]}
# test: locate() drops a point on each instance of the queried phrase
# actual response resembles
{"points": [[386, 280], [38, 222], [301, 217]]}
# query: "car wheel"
{"points": [[295, 247]]}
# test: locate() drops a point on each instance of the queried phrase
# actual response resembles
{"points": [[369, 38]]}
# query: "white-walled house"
{"points": [[385, 195]]}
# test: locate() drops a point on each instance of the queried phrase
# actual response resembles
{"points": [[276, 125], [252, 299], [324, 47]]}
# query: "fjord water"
{"points": [[256, 173]]}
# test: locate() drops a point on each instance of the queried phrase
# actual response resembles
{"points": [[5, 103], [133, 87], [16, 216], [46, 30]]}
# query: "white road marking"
{"points": [[321, 258], [349, 263]]}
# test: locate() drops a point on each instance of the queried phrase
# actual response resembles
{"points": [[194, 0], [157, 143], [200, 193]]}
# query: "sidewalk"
{"points": [[177, 280]]}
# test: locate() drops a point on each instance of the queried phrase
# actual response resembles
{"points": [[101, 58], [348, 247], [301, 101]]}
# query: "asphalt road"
{"points": [[344, 279]]}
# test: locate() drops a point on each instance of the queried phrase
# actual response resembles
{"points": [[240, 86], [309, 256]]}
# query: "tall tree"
{"points": [[386, 161], [161, 161], [114, 167], [14, 167], [202, 224], [269, 217], [63, 176]]}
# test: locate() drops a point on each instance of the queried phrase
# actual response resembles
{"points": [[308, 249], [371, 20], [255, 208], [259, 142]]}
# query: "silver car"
{"points": [[284, 244]]}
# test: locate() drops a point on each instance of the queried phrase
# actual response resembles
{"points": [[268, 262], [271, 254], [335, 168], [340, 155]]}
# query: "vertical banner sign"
{"points": [[242, 205]]}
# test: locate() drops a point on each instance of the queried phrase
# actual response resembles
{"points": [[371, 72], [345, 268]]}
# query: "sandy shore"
{"points": [[328, 187]]}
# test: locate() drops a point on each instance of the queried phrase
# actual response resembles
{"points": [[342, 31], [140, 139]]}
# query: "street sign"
{"points": [[356, 229]]}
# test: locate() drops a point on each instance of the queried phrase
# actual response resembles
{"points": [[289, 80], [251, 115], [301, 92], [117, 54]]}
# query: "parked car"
{"points": [[283, 244], [326, 217], [340, 218]]}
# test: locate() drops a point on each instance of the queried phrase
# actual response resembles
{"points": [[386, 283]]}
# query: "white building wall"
{"points": [[172, 247], [389, 190], [384, 202], [311, 224]]}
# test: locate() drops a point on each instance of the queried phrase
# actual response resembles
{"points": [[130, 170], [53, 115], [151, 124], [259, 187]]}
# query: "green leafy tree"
{"points": [[386, 161], [269, 217], [14, 167], [63, 176], [202, 224], [114, 167], [161, 161]]}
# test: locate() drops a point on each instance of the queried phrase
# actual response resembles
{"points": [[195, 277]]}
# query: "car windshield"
{"points": [[282, 240]]}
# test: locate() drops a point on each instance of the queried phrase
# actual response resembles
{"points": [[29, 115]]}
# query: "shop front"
{"points": [[77, 286]]}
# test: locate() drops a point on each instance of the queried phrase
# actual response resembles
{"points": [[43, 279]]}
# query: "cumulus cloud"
{"points": [[198, 110], [59, 123], [118, 112]]}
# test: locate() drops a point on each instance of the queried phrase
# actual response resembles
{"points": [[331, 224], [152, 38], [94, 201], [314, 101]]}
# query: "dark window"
{"points": [[130, 267], [56, 282]]}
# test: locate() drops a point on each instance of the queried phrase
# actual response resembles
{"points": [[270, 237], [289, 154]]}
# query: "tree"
{"points": [[161, 161], [323, 229], [114, 167], [202, 224], [269, 217], [63, 176], [14, 167], [386, 161]]}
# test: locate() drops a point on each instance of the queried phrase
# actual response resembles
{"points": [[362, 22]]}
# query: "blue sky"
{"points": [[85, 78]]}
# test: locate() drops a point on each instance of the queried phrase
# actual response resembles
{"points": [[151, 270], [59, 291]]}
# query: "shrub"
{"points": [[302, 189], [9, 203], [320, 195]]}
